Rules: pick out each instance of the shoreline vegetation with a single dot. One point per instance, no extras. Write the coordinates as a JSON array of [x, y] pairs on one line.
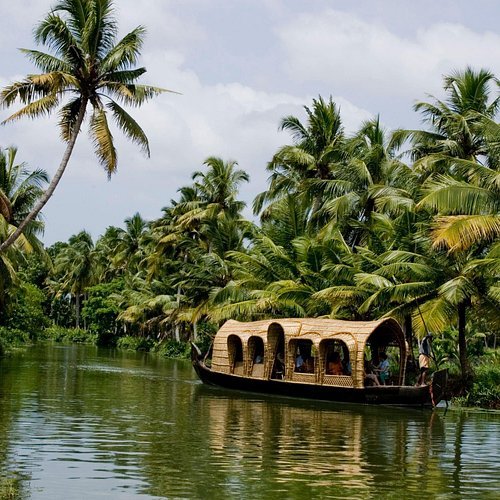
[[401, 223], [484, 392]]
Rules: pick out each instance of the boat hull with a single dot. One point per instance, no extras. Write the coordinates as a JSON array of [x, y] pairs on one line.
[[382, 395]]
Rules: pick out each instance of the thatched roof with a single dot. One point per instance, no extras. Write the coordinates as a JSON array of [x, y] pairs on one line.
[[313, 327]]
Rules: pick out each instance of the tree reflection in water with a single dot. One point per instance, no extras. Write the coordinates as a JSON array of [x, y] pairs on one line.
[[79, 420], [274, 446]]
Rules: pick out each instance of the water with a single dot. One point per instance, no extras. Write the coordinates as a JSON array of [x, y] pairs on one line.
[[81, 422]]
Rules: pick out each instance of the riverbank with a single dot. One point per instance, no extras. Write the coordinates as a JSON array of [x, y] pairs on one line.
[[484, 391], [10, 489]]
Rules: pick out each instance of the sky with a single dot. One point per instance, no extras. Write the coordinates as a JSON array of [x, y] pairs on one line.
[[240, 66]]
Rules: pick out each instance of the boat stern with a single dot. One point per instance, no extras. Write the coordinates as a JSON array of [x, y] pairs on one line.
[[438, 385]]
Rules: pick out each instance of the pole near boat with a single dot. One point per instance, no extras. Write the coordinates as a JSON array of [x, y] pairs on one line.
[[428, 333]]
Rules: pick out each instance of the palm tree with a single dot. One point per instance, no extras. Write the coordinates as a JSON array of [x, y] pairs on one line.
[[319, 146], [371, 183], [458, 124], [279, 272], [76, 267], [87, 66], [215, 192], [20, 188], [128, 246]]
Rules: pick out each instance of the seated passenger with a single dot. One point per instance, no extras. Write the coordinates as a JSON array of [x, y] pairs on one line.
[[309, 365], [258, 359], [299, 363], [334, 366], [370, 377], [279, 366]]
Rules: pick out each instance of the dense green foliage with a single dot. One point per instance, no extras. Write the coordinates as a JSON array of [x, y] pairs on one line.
[[69, 335], [25, 311], [10, 489], [403, 223]]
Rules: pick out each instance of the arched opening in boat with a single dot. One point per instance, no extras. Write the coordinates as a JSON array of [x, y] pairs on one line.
[[256, 356], [235, 354], [276, 342], [303, 353], [386, 355], [335, 354]]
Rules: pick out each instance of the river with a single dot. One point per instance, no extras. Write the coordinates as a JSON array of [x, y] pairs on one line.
[[79, 422]]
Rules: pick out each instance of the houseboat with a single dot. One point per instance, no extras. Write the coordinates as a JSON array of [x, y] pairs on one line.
[[321, 359]]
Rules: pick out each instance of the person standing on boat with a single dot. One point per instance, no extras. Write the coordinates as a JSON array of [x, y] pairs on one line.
[[424, 358], [383, 368]]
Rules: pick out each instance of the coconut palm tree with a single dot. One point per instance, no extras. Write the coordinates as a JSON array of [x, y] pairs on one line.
[[128, 248], [457, 124], [86, 66], [319, 146], [467, 209], [214, 197], [76, 268], [20, 189], [371, 183]]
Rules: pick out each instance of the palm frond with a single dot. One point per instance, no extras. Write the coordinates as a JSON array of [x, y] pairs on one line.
[[47, 62], [132, 94], [129, 126], [126, 52], [103, 140], [460, 232], [35, 109]]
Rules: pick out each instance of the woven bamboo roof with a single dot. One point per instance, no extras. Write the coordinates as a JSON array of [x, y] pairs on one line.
[[308, 327], [354, 334]]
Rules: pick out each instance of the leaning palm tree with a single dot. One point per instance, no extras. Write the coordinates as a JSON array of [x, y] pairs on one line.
[[87, 66], [20, 188]]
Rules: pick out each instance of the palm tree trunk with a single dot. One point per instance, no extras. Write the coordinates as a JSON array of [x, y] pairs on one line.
[[77, 309], [55, 180], [462, 343], [408, 329]]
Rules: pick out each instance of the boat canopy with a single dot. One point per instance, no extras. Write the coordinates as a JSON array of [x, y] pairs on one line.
[[253, 348]]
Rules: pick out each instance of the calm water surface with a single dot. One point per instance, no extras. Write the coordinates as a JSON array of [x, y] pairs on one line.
[[82, 422]]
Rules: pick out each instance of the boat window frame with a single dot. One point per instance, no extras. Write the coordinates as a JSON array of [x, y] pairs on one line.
[[344, 353], [383, 337], [252, 351], [232, 355], [292, 351]]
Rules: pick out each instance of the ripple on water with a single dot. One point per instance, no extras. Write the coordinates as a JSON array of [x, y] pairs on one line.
[[78, 423]]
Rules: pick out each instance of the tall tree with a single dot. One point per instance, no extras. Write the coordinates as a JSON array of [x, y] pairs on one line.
[[20, 189], [373, 182], [319, 146], [87, 66], [75, 265], [457, 124]]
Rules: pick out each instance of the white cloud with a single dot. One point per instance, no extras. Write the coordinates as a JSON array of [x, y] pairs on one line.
[[222, 112], [347, 51]]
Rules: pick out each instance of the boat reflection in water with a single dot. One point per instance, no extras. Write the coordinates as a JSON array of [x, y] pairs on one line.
[[281, 445]]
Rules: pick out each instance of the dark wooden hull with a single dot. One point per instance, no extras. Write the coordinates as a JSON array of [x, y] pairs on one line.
[[382, 395]]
